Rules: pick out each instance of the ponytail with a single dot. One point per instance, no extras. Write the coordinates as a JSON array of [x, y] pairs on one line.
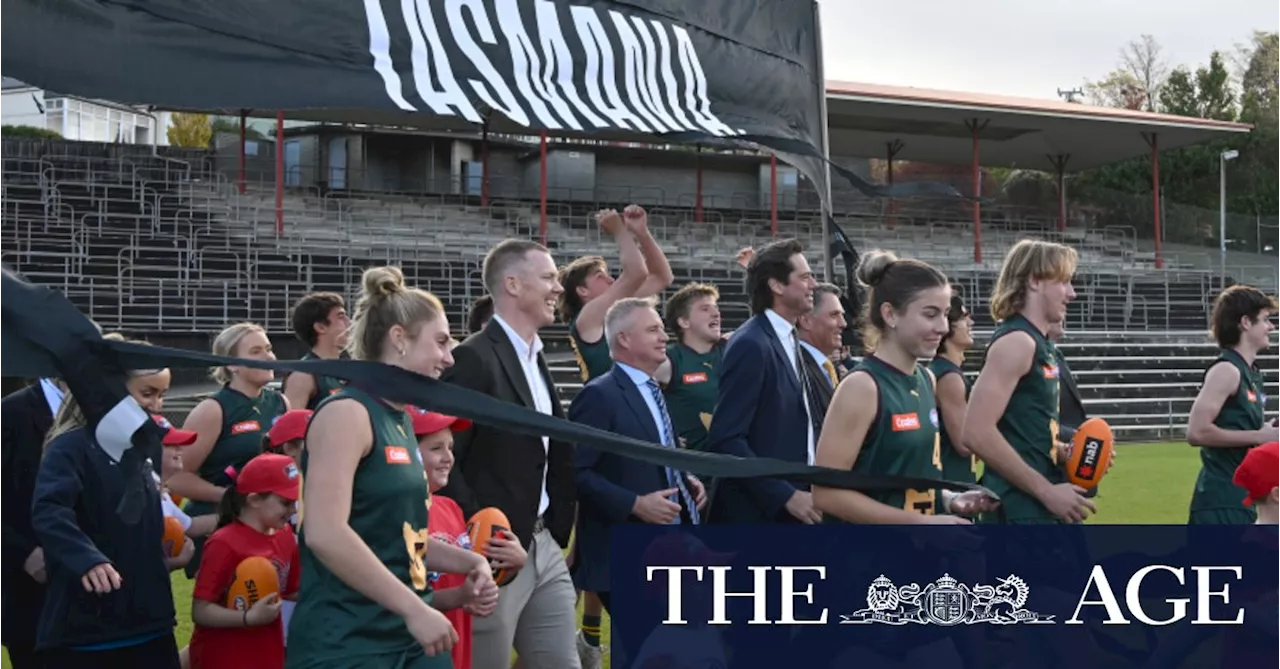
[[232, 502]]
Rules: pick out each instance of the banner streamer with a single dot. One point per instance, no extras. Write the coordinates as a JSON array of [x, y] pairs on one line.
[[44, 335]]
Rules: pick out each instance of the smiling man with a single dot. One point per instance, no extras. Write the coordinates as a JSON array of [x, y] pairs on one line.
[[820, 336], [690, 376], [529, 478]]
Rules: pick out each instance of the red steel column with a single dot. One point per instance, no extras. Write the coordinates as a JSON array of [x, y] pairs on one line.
[[976, 128], [542, 185], [773, 195], [243, 120], [697, 203], [279, 172], [484, 164]]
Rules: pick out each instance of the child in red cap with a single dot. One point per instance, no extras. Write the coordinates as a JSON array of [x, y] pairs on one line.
[[1259, 474], [287, 436], [253, 520], [445, 523]]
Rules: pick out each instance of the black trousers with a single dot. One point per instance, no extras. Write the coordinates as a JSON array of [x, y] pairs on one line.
[[158, 653]]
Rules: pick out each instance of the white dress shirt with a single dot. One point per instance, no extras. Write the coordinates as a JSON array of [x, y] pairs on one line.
[[787, 335], [527, 354]]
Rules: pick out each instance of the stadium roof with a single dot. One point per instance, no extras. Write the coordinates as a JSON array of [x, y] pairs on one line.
[[865, 118], [1020, 132]]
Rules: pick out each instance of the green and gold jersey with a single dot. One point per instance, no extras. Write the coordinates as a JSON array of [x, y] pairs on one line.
[[593, 359], [955, 467], [1241, 411], [693, 391]]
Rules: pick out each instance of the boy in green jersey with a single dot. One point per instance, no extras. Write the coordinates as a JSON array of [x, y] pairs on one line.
[[589, 289], [319, 321], [1012, 419], [1226, 419], [883, 418], [690, 377]]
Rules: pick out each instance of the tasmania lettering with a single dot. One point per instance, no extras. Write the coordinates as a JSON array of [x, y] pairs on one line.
[[564, 66]]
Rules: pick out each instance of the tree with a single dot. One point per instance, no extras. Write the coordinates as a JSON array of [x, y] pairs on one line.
[[1119, 89], [1213, 90], [1179, 93], [190, 130], [1143, 59], [1259, 80]]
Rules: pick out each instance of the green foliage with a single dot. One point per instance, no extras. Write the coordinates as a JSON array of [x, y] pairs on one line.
[[29, 131], [190, 130], [1190, 176]]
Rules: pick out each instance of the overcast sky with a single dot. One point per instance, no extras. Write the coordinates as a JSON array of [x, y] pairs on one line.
[[1024, 48]]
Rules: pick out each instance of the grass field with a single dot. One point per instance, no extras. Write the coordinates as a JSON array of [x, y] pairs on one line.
[[1150, 484]]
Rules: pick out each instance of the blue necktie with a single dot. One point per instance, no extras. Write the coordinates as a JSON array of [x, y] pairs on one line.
[[674, 478]]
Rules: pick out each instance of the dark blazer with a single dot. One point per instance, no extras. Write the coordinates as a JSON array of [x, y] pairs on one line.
[[760, 413], [820, 386], [503, 469], [609, 484], [24, 420]]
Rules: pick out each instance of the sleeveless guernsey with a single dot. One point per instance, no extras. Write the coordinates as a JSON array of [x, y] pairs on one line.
[[334, 625], [593, 359], [245, 421], [903, 439], [955, 467], [325, 385], [1241, 411], [693, 391], [1030, 425]]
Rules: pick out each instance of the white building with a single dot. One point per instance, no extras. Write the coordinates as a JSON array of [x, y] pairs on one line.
[[82, 119]]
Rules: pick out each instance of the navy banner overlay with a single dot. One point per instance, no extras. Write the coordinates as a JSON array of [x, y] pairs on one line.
[[985, 596]]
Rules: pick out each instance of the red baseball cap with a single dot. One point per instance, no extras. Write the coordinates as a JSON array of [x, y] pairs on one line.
[[1259, 473], [429, 422], [289, 426], [269, 473], [173, 436]]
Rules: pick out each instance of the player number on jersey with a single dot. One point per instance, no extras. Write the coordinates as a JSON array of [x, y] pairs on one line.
[[415, 543], [919, 501], [937, 451]]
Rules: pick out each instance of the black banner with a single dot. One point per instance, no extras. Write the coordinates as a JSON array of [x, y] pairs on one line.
[[712, 71], [43, 335]]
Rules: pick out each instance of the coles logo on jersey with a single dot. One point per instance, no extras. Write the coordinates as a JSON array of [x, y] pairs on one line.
[[398, 455], [1051, 371], [695, 377], [903, 422], [246, 426]]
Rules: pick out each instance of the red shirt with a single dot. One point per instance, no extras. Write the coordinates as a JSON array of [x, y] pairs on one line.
[[260, 647], [446, 524]]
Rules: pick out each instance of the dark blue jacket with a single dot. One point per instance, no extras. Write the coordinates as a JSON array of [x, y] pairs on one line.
[[759, 413], [609, 484], [74, 515], [24, 419]]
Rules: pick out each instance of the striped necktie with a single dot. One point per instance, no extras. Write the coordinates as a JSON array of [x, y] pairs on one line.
[[675, 479]]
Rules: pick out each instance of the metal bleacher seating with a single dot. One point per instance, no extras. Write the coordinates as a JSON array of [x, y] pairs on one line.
[[152, 245]]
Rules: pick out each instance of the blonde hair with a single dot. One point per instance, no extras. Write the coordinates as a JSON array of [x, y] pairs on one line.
[[226, 343], [1029, 259], [70, 416], [386, 302]]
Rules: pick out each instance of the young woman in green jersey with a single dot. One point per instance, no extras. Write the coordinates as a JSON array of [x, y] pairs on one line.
[[231, 424], [1012, 420], [1227, 417], [883, 418], [958, 462], [365, 599], [589, 289]]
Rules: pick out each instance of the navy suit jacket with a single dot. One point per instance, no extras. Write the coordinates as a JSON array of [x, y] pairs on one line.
[[609, 484], [760, 413]]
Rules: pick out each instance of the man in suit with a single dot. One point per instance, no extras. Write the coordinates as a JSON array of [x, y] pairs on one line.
[[613, 490], [820, 336], [529, 478], [25, 418], [763, 408]]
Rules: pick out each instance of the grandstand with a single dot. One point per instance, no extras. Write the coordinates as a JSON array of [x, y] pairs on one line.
[[169, 248]]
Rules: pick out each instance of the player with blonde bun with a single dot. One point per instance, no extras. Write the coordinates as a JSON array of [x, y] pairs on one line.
[[365, 598]]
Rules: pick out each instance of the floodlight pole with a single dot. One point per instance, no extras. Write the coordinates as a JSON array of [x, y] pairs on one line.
[[828, 263], [542, 186], [1222, 212]]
